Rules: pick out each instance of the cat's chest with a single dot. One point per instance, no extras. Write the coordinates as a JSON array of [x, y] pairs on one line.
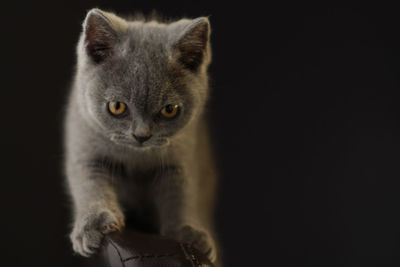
[[136, 184], [139, 176], [135, 191]]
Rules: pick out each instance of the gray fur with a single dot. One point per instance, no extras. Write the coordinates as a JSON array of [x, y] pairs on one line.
[[171, 177]]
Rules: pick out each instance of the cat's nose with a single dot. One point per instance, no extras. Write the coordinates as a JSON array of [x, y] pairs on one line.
[[142, 138]]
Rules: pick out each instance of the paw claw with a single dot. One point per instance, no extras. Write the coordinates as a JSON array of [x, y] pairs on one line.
[[112, 227], [198, 239], [89, 231]]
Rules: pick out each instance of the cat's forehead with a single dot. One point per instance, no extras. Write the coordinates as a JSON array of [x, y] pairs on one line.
[[140, 84], [146, 81], [155, 35], [149, 35], [146, 50], [144, 72]]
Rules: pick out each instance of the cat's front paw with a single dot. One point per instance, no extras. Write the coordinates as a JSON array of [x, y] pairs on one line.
[[89, 230], [199, 239]]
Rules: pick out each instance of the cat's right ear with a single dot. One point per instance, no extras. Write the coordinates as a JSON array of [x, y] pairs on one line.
[[193, 43], [101, 31]]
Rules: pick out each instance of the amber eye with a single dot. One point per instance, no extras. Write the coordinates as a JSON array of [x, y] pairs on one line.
[[170, 111], [117, 108]]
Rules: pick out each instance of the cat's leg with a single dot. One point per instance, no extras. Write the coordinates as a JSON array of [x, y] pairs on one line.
[[96, 209], [177, 206]]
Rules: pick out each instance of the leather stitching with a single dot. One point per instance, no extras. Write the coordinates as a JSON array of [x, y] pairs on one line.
[[193, 257], [119, 254], [190, 256], [150, 256]]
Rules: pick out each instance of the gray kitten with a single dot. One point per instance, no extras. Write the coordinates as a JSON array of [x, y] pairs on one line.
[[136, 138]]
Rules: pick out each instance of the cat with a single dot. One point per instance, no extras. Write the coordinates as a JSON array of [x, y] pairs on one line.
[[136, 136]]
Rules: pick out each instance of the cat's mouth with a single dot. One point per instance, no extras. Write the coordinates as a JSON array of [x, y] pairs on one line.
[[128, 142]]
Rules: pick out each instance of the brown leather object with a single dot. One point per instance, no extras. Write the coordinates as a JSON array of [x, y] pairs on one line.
[[134, 249]]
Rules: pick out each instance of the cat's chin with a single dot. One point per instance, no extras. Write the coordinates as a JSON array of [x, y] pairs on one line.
[[123, 142]]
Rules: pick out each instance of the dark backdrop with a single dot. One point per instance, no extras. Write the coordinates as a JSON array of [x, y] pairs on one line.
[[306, 121]]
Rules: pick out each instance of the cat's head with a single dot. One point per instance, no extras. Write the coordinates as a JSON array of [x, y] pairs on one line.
[[140, 83]]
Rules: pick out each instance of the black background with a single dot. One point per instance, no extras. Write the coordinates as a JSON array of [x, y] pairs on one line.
[[306, 122]]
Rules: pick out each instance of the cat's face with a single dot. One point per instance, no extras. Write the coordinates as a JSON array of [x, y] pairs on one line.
[[142, 82]]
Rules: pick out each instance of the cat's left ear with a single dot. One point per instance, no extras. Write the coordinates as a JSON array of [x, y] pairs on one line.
[[193, 43], [101, 30]]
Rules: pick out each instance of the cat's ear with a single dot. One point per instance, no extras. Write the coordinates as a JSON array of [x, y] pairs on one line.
[[101, 31], [193, 43]]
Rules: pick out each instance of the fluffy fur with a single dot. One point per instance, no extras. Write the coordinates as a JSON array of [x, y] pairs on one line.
[[166, 182]]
